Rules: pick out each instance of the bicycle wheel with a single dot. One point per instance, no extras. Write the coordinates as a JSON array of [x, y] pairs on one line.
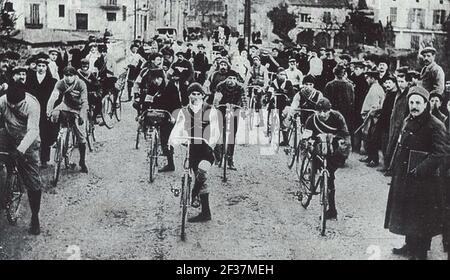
[[153, 154], [118, 108], [224, 158], [323, 202], [88, 136], [291, 150], [306, 181], [58, 158], [107, 112], [184, 204], [14, 196], [69, 146]]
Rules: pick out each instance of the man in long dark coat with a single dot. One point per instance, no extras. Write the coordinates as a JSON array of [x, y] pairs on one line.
[[414, 206], [40, 84]]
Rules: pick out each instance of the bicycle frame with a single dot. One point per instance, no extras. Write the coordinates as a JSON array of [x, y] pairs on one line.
[[274, 115], [226, 132], [11, 194]]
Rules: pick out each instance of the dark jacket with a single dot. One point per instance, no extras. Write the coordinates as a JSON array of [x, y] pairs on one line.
[[399, 112], [171, 98], [42, 91], [361, 89], [327, 72], [184, 70], [414, 203], [233, 95], [342, 97]]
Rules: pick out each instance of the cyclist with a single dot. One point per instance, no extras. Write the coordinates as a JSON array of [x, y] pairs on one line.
[[258, 76], [19, 136], [306, 98], [93, 87], [105, 66], [152, 85], [221, 75], [184, 70], [232, 92], [294, 75], [74, 103], [326, 120], [198, 119], [281, 85]]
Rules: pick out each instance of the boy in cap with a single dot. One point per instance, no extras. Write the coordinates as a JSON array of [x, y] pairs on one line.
[[198, 119], [19, 136], [52, 66]]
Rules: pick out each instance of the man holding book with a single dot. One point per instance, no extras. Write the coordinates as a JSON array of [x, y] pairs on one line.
[[414, 202]]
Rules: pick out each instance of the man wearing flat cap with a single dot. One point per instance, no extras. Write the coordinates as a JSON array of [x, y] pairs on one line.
[[435, 106], [432, 77], [52, 66], [414, 207], [19, 74], [201, 63]]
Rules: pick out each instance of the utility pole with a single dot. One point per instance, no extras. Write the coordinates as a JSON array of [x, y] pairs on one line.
[[247, 22]]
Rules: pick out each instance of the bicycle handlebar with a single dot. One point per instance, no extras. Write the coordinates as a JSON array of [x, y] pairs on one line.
[[193, 138], [159, 111], [229, 105]]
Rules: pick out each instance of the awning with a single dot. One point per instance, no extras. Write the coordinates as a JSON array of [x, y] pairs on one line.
[[49, 37]]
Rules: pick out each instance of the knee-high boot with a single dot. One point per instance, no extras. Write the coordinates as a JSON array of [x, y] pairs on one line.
[[205, 215], [82, 148], [34, 197]]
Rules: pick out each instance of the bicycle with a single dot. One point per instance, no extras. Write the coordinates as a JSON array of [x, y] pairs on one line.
[[252, 91], [111, 107], [186, 183], [274, 121], [226, 135], [90, 128], [149, 122], [314, 164], [66, 142], [11, 188]]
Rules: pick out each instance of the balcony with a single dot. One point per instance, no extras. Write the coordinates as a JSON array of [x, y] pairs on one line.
[[110, 5], [33, 25]]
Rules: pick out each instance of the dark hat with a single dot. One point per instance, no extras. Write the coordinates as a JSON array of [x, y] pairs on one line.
[[414, 74], [403, 69], [275, 49], [383, 59], [358, 63], [254, 47], [19, 69], [371, 57], [322, 49], [331, 50], [152, 56], [428, 50], [309, 79], [280, 70], [419, 91], [15, 92], [134, 46], [390, 77], [30, 60], [345, 57], [180, 53], [201, 46], [256, 57], [323, 104], [69, 71], [189, 44], [84, 61], [41, 59], [292, 59], [224, 60], [434, 94], [195, 87]]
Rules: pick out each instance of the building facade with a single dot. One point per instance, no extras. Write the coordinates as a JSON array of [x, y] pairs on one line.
[[77, 15], [414, 21], [318, 21]]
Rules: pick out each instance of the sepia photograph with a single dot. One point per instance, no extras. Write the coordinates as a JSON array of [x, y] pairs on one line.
[[213, 132]]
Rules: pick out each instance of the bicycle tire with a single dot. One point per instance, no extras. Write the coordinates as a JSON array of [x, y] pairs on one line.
[[305, 180], [184, 204], [118, 109], [292, 152], [69, 146], [58, 160], [323, 202], [137, 139], [88, 137], [14, 198], [224, 157], [107, 113], [153, 154]]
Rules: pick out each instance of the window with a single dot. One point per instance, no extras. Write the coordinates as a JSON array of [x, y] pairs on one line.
[[61, 11], [145, 23], [112, 2], [305, 18], [111, 16], [34, 14], [393, 16], [438, 16], [327, 17], [124, 13], [82, 21], [416, 18], [415, 42]]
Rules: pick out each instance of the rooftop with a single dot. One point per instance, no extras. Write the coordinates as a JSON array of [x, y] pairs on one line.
[[321, 3]]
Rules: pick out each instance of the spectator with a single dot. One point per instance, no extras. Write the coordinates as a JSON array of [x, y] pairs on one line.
[[432, 77]]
